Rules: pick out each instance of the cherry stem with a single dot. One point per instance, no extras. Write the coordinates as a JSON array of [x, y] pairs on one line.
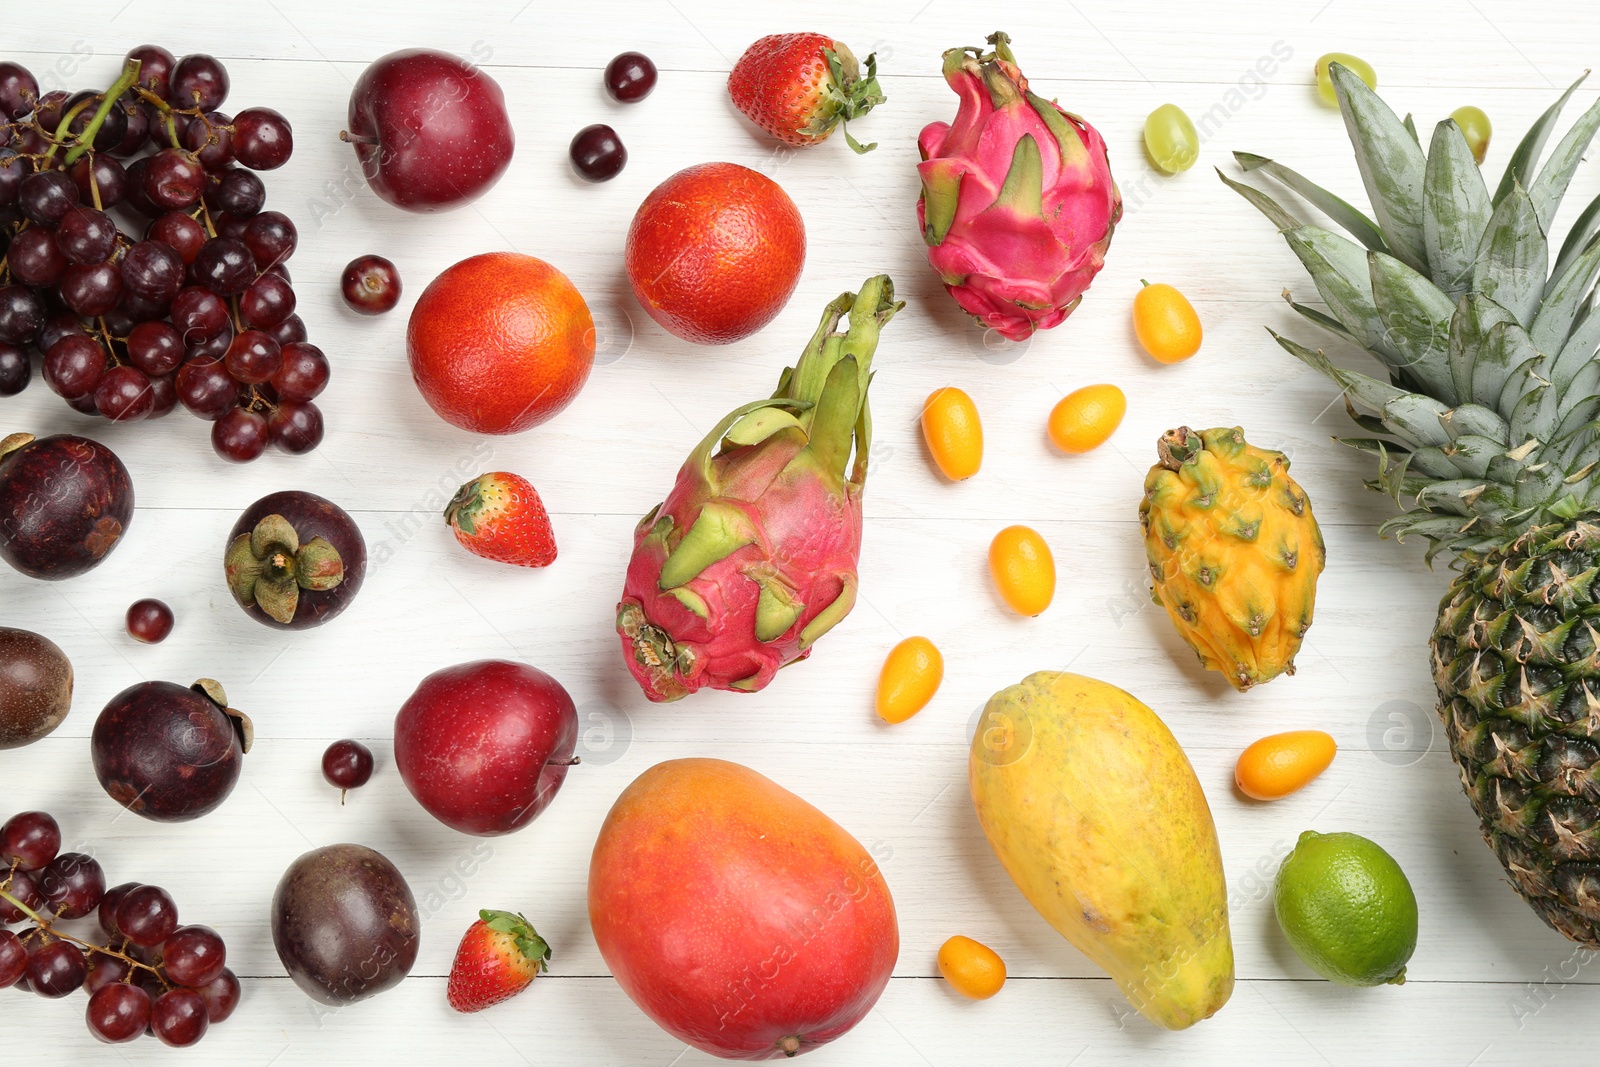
[[356, 138], [129, 75], [48, 925], [570, 761]]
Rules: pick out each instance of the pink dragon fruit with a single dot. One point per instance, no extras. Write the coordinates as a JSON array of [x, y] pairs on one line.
[[752, 556], [1017, 202]]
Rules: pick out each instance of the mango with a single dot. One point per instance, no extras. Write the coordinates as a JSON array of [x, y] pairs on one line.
[[1097, 816]]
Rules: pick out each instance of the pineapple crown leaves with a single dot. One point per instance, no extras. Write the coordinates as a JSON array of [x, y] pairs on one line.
[[1490, 419], [522, 934]]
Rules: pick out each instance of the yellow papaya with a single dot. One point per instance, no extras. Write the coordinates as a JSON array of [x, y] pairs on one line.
[[1097, 816]]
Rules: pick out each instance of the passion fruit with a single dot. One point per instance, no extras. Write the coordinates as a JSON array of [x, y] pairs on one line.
[[345, 924], [35, 687]]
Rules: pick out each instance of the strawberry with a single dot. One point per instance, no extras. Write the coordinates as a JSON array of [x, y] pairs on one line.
[[499, 956], [799, 86], [499, 516]]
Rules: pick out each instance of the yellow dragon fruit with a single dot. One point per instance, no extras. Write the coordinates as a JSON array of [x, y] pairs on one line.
[[1018, 204]]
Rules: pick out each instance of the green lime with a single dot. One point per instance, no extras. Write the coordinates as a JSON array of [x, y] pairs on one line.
[[1347, 909]]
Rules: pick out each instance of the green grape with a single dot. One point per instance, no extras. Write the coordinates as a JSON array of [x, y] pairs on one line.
[[1475, 128], [1170, 139], [1358, 66]]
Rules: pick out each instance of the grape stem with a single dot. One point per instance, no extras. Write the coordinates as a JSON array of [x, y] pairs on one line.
[[129, 75], [48, 926]]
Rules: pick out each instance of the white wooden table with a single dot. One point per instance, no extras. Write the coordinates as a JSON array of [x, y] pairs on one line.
[[1489, 983]]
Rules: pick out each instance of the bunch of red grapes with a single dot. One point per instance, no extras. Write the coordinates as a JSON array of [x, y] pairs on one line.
[[149, 976], [199, 309]]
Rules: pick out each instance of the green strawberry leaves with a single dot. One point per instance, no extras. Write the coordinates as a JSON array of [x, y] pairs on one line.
[[522, 935]]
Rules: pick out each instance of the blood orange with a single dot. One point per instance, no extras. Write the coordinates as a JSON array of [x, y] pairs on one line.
[[500, 342], [715, 252]]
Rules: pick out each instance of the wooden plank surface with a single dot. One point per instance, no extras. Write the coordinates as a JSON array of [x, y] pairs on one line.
[[1489, 983]]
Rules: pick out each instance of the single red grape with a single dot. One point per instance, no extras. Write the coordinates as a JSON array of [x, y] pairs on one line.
[[630, 77], [25, 887], [18, 90], [139, 119], [253, 357], [289, 331], [179, 1017], [35, 259], [105, 969], [271, 237], [210, 138], [221, 995], [46, 195], [173, 179], [124, 395], [74, 365], [108, 177], [91, 289], [57, 969], [147, 915], [240, 436], [153, 270], [295, 426], [155, 69], [118, 1013], [86, 235], [239, 192], [199, 81], [155, 347], [597, 153], [73, 884], [107, 912], [13, 959], [303, 373], [183, 233], [137, 198], [213, 347], [371, 285], [262, 138], [164, 394], [149, 621], [16, 368], [206, 388], [193, 956], [267, 302], [225, 266], [29, 840], [199, 315], [347, 764], [22, 314]]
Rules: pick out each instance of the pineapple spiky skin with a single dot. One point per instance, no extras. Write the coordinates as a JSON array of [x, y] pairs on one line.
[[1490, 423], [1234, 552], [1516, 659]]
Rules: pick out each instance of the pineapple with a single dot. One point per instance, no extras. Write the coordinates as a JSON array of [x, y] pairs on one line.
[[1489, 423], [1234, 551]]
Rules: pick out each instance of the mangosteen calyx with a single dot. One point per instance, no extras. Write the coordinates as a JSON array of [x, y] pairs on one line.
[[212, 690], [12, 442], [269, 566]]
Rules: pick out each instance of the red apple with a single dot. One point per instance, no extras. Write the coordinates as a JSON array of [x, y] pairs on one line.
[[485, 746], [741, 919], [429, 128]]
